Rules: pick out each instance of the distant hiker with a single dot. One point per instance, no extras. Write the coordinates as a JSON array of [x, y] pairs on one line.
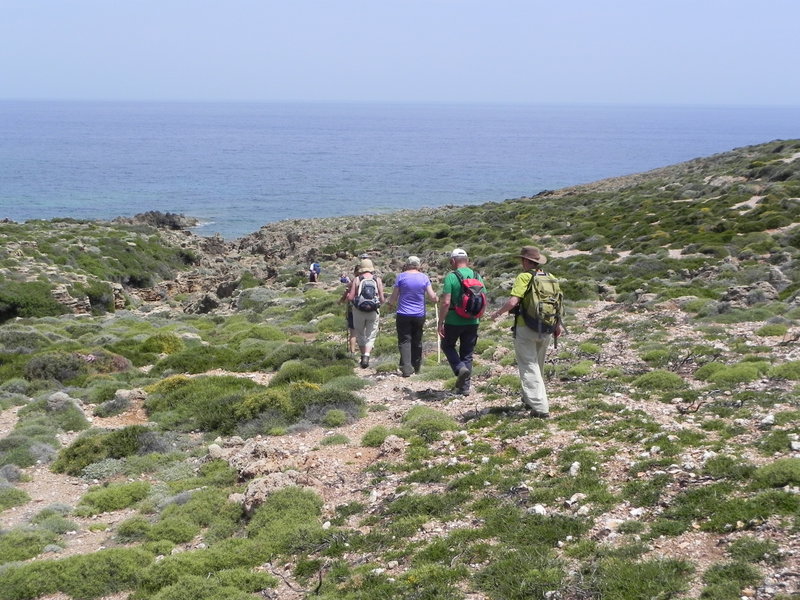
[[537, 303], [351, 329], [313, 272], [366, 295], [410, 290], [459, 317]]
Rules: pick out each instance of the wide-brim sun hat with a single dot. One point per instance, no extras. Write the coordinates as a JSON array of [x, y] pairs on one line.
[[533, 254], [365, 266], [413, 261], [458, 253]]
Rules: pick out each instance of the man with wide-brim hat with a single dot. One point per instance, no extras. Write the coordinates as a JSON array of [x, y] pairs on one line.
[[530, 344]]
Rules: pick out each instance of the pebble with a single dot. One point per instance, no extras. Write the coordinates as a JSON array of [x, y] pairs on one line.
[[574, 469]]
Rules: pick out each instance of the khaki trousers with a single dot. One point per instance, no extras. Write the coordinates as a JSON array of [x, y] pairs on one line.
[[531, 350]]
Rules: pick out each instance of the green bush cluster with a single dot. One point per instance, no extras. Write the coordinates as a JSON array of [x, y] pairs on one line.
[[27, 299], [113, 496], [97, 445]]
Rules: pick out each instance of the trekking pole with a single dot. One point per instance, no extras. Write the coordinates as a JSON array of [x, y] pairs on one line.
[[438, 341]]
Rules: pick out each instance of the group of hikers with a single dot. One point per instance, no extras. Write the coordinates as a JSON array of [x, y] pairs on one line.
[[535, 302]]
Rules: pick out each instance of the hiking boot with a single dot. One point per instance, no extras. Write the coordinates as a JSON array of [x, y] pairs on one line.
[[364, 361], [463, 391], [461, 379], [537, 414]]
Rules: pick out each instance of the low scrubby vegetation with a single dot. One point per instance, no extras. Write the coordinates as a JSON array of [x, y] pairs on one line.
[[674, 409]]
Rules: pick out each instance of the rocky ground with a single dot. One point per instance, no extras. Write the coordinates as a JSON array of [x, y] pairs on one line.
[[338, 473]]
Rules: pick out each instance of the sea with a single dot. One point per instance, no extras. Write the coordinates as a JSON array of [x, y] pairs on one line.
[[239, 166]]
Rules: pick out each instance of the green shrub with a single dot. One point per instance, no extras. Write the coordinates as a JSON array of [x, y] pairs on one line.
[[98, 445], [335, 440], [619, 579], [11, 496], [27, 299], [708, 370], [196, 359], [334, 418], [727, 467], [735, 374], [590, 348], [133, 530], [788, 370], [113, 496], [22, 544], [163, 343], [201, 403], [428, 423], [581, 369], [725, 579], [375, 436], [750, 549], [288, 521], [58, 410], [772, 329], [782, 472], [61, 366], [659, 380], [175, 529], [101, 573]]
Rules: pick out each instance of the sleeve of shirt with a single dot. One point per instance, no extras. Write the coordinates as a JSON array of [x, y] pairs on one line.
[[520, 284], [447, 284]]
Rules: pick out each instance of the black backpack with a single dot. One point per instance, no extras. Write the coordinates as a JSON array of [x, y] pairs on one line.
[[367, 295]]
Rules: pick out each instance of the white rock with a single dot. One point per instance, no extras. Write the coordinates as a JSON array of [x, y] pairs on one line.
[[539, 510], [768, 421], [215, 451], [326, 525], [574, 469]]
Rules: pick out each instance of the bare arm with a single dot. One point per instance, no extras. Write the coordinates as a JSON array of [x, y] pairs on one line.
[[393, 297], [510, 304], [381, 297], [444, 306], [431, 294]]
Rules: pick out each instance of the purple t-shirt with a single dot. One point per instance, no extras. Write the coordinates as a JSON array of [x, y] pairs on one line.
[[411, 293]]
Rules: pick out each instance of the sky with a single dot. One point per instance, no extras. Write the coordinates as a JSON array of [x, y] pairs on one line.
[[656, 52]]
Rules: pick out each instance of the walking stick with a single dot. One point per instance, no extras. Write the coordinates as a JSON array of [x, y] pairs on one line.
[[438, 341]]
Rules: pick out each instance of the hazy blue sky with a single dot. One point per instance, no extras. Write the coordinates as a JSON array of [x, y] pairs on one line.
[[576, 51]]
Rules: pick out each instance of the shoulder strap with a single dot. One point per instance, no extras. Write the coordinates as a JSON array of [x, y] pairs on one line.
[[530, 283]]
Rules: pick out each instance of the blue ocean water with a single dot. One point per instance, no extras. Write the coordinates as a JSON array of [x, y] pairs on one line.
[[238, 166]]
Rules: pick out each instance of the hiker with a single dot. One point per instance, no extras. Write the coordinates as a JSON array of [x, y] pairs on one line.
[[531, 335], [313, 272], [454, 328], [351, 329], [410, 290], [366, 295]]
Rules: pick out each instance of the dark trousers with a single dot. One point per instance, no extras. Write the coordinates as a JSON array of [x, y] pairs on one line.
[[466, 336], [409, 342]]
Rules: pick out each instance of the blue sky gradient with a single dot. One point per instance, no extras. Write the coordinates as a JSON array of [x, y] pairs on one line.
[[689, 52]]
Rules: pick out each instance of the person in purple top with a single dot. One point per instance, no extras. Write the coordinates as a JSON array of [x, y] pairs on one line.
[[410, 289]]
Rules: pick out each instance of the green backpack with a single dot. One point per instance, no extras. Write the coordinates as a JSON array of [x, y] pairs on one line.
[[542, 303]]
